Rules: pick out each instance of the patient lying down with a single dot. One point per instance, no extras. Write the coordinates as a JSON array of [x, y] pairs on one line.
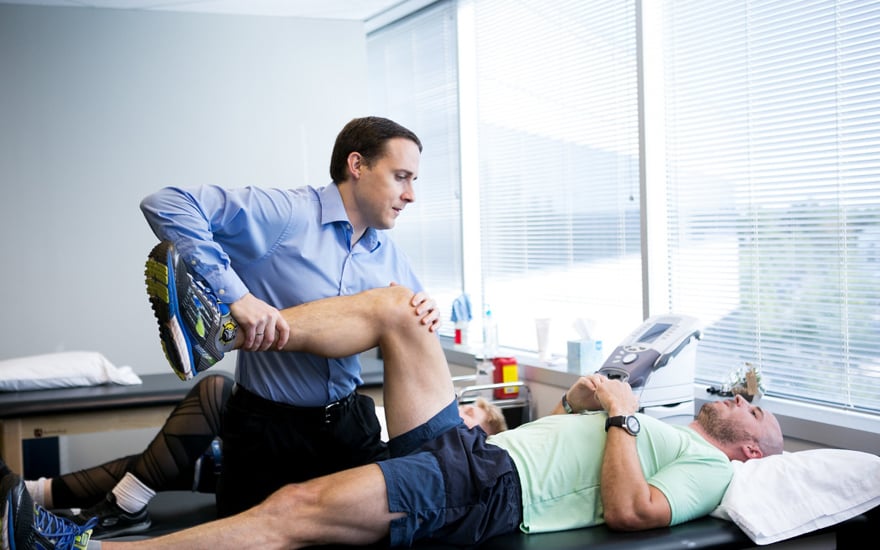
[[185, 455], [448, 482]]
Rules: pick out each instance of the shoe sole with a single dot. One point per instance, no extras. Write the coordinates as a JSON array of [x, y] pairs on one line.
[[132, 529], [17, 511], [162, 291]]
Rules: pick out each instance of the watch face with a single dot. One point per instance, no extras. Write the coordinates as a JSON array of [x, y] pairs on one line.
[[632, 424]]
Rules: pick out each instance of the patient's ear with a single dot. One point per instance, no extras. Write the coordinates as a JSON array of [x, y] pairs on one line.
[[751, 450]]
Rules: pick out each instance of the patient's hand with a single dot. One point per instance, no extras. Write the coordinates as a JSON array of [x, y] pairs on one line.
[[582, 394], [616, 397]]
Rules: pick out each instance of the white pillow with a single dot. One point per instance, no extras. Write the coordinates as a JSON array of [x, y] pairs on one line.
[[62, 370], [782, 496]]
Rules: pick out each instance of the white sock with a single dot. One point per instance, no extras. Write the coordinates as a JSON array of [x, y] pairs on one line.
[[94, 544], [131, 494], [40, 490]]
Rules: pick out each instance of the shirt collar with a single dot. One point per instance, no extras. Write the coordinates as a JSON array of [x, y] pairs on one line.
[[333, 211]]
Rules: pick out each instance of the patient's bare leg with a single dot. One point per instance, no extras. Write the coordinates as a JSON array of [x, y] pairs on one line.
[[348, 507], [417, 382]]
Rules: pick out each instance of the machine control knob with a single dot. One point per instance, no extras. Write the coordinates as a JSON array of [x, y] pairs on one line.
[[629, 358]]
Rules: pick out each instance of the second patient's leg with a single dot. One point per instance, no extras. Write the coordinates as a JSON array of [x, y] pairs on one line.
[[168, 461]]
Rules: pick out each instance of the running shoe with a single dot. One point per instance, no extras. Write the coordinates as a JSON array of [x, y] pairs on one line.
[[195, 328], [29, 526], [112, 521], [208, 467]]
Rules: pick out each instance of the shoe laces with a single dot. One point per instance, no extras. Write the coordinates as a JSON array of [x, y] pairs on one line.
[[61, 531], [214, 301]]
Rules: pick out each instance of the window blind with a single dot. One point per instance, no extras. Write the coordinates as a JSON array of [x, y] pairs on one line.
[[772, 140], [413, 80], [557, 111]]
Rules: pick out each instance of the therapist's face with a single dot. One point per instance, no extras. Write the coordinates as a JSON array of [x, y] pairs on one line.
[[383, 189]]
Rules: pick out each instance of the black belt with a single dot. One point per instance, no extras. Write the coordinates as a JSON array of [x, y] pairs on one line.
[[329, 413]]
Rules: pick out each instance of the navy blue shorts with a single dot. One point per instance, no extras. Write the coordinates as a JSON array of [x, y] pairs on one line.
[[454, 488]]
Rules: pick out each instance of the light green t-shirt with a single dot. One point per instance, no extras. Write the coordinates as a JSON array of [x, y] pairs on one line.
[[559, 461]]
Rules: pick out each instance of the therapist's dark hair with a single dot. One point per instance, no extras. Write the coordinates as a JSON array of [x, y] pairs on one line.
[[366, 136]]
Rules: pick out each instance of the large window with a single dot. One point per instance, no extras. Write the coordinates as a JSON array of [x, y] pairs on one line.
[[414, 81], [769, 175], [556, 93], [549, 116], [772, 142]]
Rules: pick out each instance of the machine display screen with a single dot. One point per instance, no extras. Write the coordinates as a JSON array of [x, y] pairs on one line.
[[654, 332]]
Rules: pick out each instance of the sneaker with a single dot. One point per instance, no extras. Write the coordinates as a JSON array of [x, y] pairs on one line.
[[112, 520], [193, 325], [29, 526], [208, 468]]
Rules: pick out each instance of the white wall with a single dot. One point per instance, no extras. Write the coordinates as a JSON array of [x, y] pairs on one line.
[[100, 107]]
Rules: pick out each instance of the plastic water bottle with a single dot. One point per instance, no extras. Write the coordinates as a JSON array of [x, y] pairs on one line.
[[490, 335]]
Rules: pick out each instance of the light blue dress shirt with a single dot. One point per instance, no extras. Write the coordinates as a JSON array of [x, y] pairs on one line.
[[286, 247]]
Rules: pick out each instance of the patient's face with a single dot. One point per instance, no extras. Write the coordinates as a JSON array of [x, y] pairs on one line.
[[473, 416], [736, 420], [723, 421]]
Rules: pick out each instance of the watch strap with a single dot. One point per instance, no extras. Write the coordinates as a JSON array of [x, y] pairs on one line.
[[565, 405], [613, 421]]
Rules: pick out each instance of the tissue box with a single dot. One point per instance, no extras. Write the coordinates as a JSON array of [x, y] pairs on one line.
[[584, 356]]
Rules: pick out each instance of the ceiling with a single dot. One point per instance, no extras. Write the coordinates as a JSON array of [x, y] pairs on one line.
[[357, 10]]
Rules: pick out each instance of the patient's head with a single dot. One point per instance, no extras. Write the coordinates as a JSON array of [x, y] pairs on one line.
[[484, 414], [740, 429]]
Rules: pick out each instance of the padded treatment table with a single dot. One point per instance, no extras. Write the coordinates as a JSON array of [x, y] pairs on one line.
[[45, 413], [172, 511], [68, 411]]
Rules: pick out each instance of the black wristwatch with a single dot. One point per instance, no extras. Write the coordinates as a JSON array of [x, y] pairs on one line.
[[565, 405], [629, 423]]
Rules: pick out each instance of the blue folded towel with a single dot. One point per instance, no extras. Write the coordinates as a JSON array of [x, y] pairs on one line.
[[461, 309]]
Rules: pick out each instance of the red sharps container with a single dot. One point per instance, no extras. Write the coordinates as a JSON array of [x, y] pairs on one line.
[[506, 370]]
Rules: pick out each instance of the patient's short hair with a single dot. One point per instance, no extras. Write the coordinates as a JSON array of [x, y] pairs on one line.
[[494, 417]]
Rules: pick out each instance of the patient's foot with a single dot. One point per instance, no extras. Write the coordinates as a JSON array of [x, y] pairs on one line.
[[25, 525], [113, 521], [195, 328]]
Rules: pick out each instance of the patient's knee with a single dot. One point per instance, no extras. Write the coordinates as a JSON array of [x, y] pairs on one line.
[[393, 302], [290, 496]]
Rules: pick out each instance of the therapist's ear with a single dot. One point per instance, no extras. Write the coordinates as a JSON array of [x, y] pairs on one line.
[[355, 162]]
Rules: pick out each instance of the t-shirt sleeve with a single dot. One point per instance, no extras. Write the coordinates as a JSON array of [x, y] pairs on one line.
[[694, 484]]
